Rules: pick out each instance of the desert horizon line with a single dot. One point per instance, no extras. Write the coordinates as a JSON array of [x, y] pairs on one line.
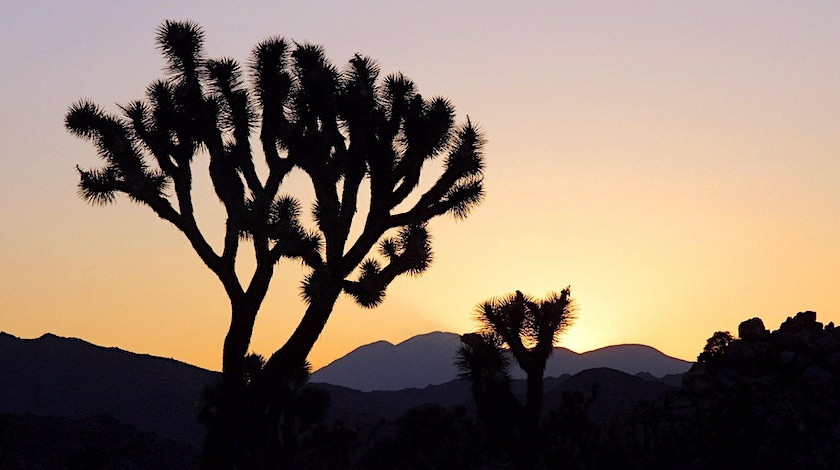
[[339, 357]]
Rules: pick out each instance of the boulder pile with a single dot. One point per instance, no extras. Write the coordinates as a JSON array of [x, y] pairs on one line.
[[772, 399]]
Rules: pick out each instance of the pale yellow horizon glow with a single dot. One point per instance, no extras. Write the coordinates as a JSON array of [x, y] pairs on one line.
[[676, 163]]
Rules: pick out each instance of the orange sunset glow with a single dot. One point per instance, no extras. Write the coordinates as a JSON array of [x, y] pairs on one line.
[[676, 163]]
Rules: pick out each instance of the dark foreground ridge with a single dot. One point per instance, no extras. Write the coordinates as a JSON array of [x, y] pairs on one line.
[[97, 442], [70, 401], [763, 400]]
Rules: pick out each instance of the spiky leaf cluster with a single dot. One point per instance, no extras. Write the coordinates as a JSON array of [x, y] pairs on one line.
[[483, 357], [528, 326], [125, 168], [409, 252]]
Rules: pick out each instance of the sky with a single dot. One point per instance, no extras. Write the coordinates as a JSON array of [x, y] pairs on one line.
[[676, 163]]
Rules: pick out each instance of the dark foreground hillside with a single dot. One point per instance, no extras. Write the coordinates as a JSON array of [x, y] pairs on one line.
[[433, 427], [71, 378], [68, 404], [764, 400], [99, 442]]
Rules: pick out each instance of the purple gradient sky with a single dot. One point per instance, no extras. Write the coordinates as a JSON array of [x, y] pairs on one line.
[[676, 163]]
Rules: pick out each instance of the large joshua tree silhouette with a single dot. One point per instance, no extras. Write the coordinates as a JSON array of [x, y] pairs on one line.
[[340, 127], [529, 329]]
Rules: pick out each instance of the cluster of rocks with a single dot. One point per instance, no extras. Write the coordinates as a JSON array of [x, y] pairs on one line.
[[772, 398]]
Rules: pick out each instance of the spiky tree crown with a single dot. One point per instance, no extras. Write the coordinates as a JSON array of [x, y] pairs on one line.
[[528, 326], [339, 126]]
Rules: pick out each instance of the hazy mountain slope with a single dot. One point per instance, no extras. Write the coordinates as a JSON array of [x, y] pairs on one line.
[[429, 360], [627, 358], [416, 362], [54, 376]]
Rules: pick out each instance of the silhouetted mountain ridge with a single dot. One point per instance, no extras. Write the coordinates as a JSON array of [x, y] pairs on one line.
[[71, 378], [429, 360]]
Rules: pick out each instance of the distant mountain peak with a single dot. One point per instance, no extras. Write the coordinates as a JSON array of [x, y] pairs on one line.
[[429, 359], [434, 335], [421, 360], [375, 344], [629, 346]]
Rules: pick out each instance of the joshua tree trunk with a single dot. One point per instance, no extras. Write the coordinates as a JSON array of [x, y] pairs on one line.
[[528, 435], [220, 444], [533, 400], [251, 413]]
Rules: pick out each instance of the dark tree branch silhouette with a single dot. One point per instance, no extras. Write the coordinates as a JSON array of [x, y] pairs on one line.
[[340, 127]]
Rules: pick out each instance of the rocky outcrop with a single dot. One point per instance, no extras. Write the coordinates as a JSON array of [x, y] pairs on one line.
[[772, 398], [752, 329]]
